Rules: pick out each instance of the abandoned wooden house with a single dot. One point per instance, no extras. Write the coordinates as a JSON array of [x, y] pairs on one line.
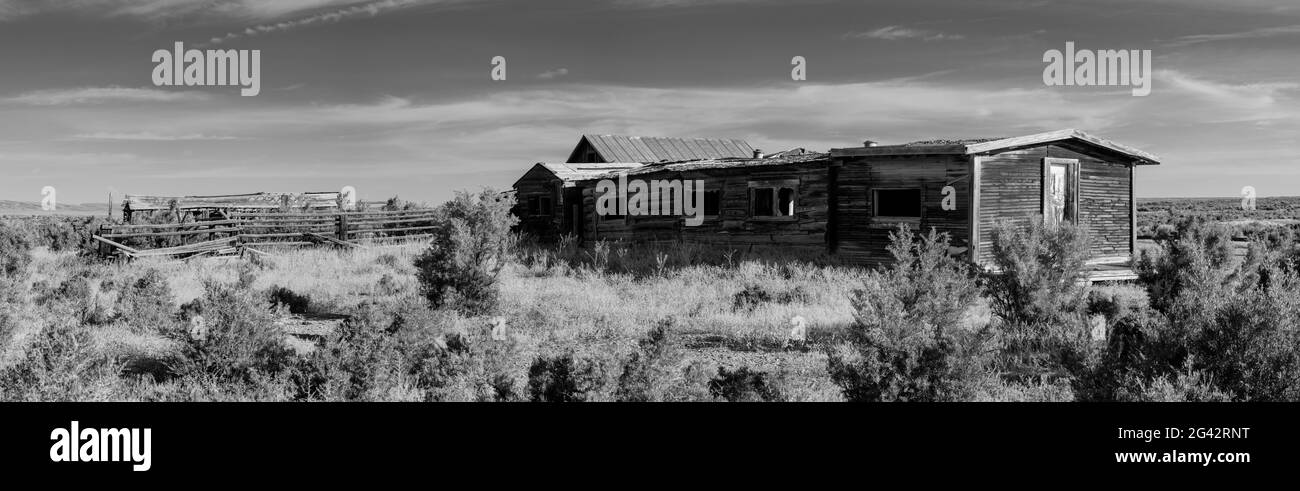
[[548, 202], [846, 202]]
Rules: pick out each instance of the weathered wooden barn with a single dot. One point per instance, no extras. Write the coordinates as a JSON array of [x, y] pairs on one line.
[[846, 202], [777, 201], [548, 202]]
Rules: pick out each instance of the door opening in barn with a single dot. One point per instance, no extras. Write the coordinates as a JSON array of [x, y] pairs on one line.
[[573, 214], [1060, 185]]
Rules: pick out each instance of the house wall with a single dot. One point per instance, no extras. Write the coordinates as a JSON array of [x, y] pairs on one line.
[[539, 183], [1011, 189], [734, 227], [862, 237]]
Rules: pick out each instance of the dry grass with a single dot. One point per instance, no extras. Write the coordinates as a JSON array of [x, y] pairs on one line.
[[555, 309]]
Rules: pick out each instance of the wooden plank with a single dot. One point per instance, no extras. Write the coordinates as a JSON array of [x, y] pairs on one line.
[[115, 244], [175, 225], [277, 235], [172, 234], [330, 240]]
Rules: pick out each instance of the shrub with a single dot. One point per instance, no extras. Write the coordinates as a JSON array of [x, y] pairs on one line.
[[146, 304], [1037, 273], [900, 348], [570, 377], [242, 341], [411, 355], [755, 295], [744, 385], [60, 364], [469, 248], [658, 371], [15, 257], [1199, 256], [1228, 325], [296, 303]]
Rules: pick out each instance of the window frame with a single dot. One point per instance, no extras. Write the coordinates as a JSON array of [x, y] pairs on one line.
[[920, 205], [774, 186], [1071, 213]]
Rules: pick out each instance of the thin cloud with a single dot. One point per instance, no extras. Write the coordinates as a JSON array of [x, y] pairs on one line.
[[1260, 33], [553, 74], [151, 136], [165, 10], [1240, 96], [370, 9], [897, 33], [100, 95]]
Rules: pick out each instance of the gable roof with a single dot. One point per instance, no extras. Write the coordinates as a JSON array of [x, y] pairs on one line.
[[620, 148], [570, 172], [985, 147], [710, 164]]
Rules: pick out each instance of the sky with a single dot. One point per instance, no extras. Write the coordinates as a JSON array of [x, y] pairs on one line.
[[395, 97]]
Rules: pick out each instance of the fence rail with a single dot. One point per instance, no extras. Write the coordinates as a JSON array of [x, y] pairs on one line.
[[242, 229]]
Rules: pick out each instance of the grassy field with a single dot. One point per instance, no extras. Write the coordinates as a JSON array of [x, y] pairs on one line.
[[622, 322], [553, 309]]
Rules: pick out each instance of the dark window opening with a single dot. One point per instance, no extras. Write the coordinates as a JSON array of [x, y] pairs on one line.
[[534, 205], [772, 202], [712, 203], [898, 203], [762, 202], [545, 206]]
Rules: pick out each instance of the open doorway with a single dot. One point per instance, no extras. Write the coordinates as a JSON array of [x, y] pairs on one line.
[[1060, 191]]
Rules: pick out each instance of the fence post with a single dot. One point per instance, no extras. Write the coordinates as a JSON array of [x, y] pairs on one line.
[[343, 227]]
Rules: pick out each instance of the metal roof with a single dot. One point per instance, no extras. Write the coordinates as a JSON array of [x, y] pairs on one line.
[[979, 147], [708, 164], [570, 172], [619, 148]]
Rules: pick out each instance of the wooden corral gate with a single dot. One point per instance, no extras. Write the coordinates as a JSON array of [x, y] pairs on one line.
[[246, 231]]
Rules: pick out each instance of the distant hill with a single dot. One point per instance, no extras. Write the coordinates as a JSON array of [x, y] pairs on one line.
[[8, 207]]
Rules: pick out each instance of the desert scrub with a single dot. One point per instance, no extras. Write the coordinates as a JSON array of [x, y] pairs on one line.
[[903, 346], [146, 304], [412, 353], [655, 370], [470, 245], [61, 363], [744, 385], [234, 339], [1038, 272]]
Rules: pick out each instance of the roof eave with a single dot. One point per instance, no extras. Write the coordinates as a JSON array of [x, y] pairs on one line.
[[1138, 157]]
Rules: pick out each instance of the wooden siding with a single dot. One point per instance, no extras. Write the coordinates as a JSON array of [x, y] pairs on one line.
[[538, 183], [733, 226], [863, 237], [1011, 189]]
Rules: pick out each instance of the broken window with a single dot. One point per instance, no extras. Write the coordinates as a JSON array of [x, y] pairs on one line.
[[897, 203], [772, 200]]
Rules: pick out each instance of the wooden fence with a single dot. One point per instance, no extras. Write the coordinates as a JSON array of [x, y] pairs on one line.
[[241, 231]]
